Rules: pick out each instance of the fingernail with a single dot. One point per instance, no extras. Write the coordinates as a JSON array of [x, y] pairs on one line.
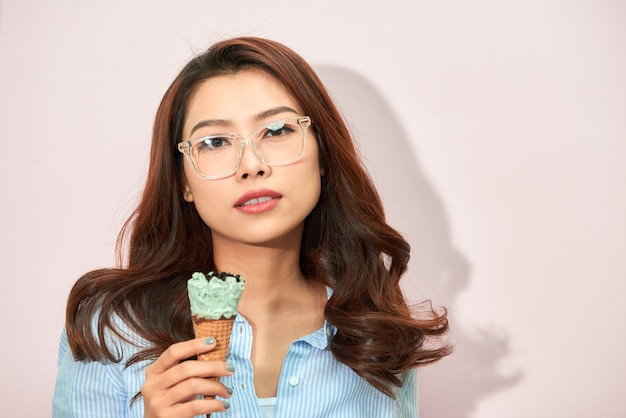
[[229, 390], [209, 341], [226, 404], [230, 367]]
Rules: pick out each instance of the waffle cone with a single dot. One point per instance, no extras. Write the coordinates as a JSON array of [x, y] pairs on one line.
[[220, 329]]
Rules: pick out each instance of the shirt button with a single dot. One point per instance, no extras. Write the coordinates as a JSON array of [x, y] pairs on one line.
[[293, 381]]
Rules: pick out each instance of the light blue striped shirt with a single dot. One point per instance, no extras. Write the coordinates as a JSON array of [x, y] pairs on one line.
[[312, 384]]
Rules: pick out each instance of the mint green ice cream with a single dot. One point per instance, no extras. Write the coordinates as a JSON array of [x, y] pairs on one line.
[[215, 297]]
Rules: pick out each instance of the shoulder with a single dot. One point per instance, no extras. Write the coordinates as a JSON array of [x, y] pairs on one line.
[[119, 338], [87, 388], [407, 397]]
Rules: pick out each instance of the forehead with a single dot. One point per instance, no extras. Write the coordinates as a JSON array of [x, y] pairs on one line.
[[237, 99]]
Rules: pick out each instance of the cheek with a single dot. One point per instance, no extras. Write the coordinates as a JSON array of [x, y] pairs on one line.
[[316, 190], [313, 157], [188, 171], [206, 197], [208, 210], [310, 185]]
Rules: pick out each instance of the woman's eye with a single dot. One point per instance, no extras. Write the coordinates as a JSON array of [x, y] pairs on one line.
[[276, 130], [213, 143]]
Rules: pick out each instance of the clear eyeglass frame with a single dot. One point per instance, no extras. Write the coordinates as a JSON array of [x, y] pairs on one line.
[[186, 147]]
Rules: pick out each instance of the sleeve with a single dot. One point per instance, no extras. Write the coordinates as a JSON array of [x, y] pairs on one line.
[[407, 397], [87, 389]]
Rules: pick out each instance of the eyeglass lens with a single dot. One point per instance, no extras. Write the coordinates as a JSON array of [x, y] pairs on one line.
[[276, 143]]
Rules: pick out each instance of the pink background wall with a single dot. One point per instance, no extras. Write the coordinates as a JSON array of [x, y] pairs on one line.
[[495, 129]]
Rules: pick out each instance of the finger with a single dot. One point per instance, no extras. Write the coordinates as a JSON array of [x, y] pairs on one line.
[[201, 407], [190, 389], [194, 369], [180, 351]]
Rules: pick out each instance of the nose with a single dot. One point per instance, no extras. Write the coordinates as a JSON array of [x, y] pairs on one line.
[[251, 163]]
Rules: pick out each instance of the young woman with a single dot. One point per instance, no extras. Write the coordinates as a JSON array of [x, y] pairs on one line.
[[253, 172]]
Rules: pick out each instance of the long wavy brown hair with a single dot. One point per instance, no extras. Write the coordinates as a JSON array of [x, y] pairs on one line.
[[347, 244]]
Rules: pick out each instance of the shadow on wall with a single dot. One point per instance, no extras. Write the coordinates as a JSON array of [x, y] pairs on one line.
[[453, 387]]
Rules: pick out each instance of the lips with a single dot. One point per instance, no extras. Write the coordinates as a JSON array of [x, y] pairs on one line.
[[257, 197]]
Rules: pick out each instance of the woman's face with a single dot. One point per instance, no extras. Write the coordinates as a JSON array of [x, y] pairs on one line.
[[259, 204]]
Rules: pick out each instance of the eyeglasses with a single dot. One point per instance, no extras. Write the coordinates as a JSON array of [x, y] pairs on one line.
[[277, 143]]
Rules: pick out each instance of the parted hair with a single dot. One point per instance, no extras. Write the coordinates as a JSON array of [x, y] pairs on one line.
[[346, 244]]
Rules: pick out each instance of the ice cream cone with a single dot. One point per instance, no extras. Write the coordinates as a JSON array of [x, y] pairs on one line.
[[213, 302], [220, 329]]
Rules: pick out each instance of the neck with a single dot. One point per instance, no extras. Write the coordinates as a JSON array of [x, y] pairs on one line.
[[272, 276]]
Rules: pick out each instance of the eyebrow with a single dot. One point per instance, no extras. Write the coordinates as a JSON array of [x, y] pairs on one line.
[[227, 123]]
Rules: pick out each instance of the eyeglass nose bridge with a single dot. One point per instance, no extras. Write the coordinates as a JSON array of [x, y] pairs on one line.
[[242, 144]]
